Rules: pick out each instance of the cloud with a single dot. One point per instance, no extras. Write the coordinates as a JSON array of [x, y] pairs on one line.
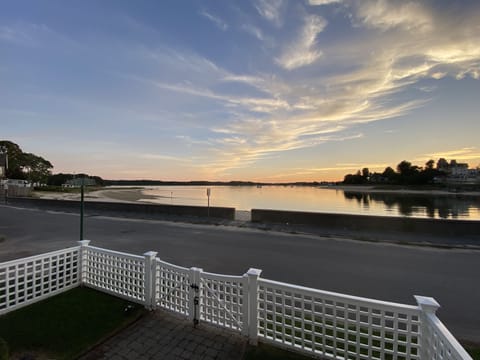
[[302, 51], [215, 19], [263, 113], [271, 10], [463, 154], [323, 2], [385, 14], [354, 166], [33, 35], [254, 31], [150, 156]]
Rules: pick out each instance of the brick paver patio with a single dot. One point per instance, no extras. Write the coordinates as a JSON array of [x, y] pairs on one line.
[[162, 335]]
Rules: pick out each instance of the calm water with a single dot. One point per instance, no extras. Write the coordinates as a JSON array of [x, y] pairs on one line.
[[320, 200]]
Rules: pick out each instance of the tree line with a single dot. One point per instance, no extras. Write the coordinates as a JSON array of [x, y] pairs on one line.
[[405, 174], [34, 168]]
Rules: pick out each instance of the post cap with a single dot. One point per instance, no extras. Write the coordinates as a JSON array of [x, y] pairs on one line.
[[83, 242], [427, 304], [150, 254], [254, 272]]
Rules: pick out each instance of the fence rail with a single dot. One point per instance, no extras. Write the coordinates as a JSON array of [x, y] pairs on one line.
[[25, 281], [337, 326], [320, 323], [114, 272]]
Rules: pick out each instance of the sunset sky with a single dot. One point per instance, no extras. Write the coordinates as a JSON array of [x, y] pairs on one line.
[[240, 90]]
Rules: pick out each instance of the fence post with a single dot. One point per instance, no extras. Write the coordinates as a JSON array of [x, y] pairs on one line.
[[428, 306], [82, 254], [149, 282], [253, 275], [194, 295], [245, 301]]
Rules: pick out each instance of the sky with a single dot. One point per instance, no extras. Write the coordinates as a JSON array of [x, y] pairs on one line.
[[259, 90]]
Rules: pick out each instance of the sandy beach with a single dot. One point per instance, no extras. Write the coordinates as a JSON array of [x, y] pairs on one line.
[[128, 195]]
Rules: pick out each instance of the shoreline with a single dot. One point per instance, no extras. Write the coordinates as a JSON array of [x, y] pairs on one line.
[[137, 195], [400, 191], [134, 195]]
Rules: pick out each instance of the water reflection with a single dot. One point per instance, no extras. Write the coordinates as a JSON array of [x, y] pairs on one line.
[[319, 199], [445, 207]]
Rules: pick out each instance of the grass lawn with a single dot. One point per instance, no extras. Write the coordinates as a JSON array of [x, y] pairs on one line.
[[65, 325], [474, 352]]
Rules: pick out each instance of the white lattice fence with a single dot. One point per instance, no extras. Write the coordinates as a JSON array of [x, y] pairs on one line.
[[337, 326], [223, 300], [25, 281], [320, 323], [114, 272], [438, 343], [172, 287]]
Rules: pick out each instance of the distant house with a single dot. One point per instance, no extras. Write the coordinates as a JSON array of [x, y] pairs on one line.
[[18, 183], [457, 173], [16, 187], [458, 170]]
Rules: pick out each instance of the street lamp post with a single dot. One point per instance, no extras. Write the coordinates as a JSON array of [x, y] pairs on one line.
[[82, 207]]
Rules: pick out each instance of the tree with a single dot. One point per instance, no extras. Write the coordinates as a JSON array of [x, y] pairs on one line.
[[25, 166], [15, 160], [37, 169], [442, 164], [365, 173], [354, 179], [408, 173], [390, 174], [429, 164], [404, 168]]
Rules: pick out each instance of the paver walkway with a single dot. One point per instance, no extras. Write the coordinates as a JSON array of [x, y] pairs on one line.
[[162, 335]]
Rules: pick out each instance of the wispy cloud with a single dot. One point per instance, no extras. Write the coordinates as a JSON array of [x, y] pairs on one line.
[[463, 154], [215, 19], [302, 51], [384, 14], [33, 35], [232, 119], [272, 10], [323, 2], [254, 31], [150, 156]]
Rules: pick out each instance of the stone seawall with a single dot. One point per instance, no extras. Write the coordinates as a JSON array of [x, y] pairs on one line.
[[146, 210], [419, 226]]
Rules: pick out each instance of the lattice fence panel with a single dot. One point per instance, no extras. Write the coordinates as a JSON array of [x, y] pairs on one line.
[[439, 343], [172, 286], [31, 279], [114, 272], [335, 326], [222, 300]]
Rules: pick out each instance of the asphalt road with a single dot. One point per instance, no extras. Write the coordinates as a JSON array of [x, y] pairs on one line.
[[383, 271]]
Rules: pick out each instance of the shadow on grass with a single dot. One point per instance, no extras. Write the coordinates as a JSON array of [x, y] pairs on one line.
[[474, 352], [65, 325]]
